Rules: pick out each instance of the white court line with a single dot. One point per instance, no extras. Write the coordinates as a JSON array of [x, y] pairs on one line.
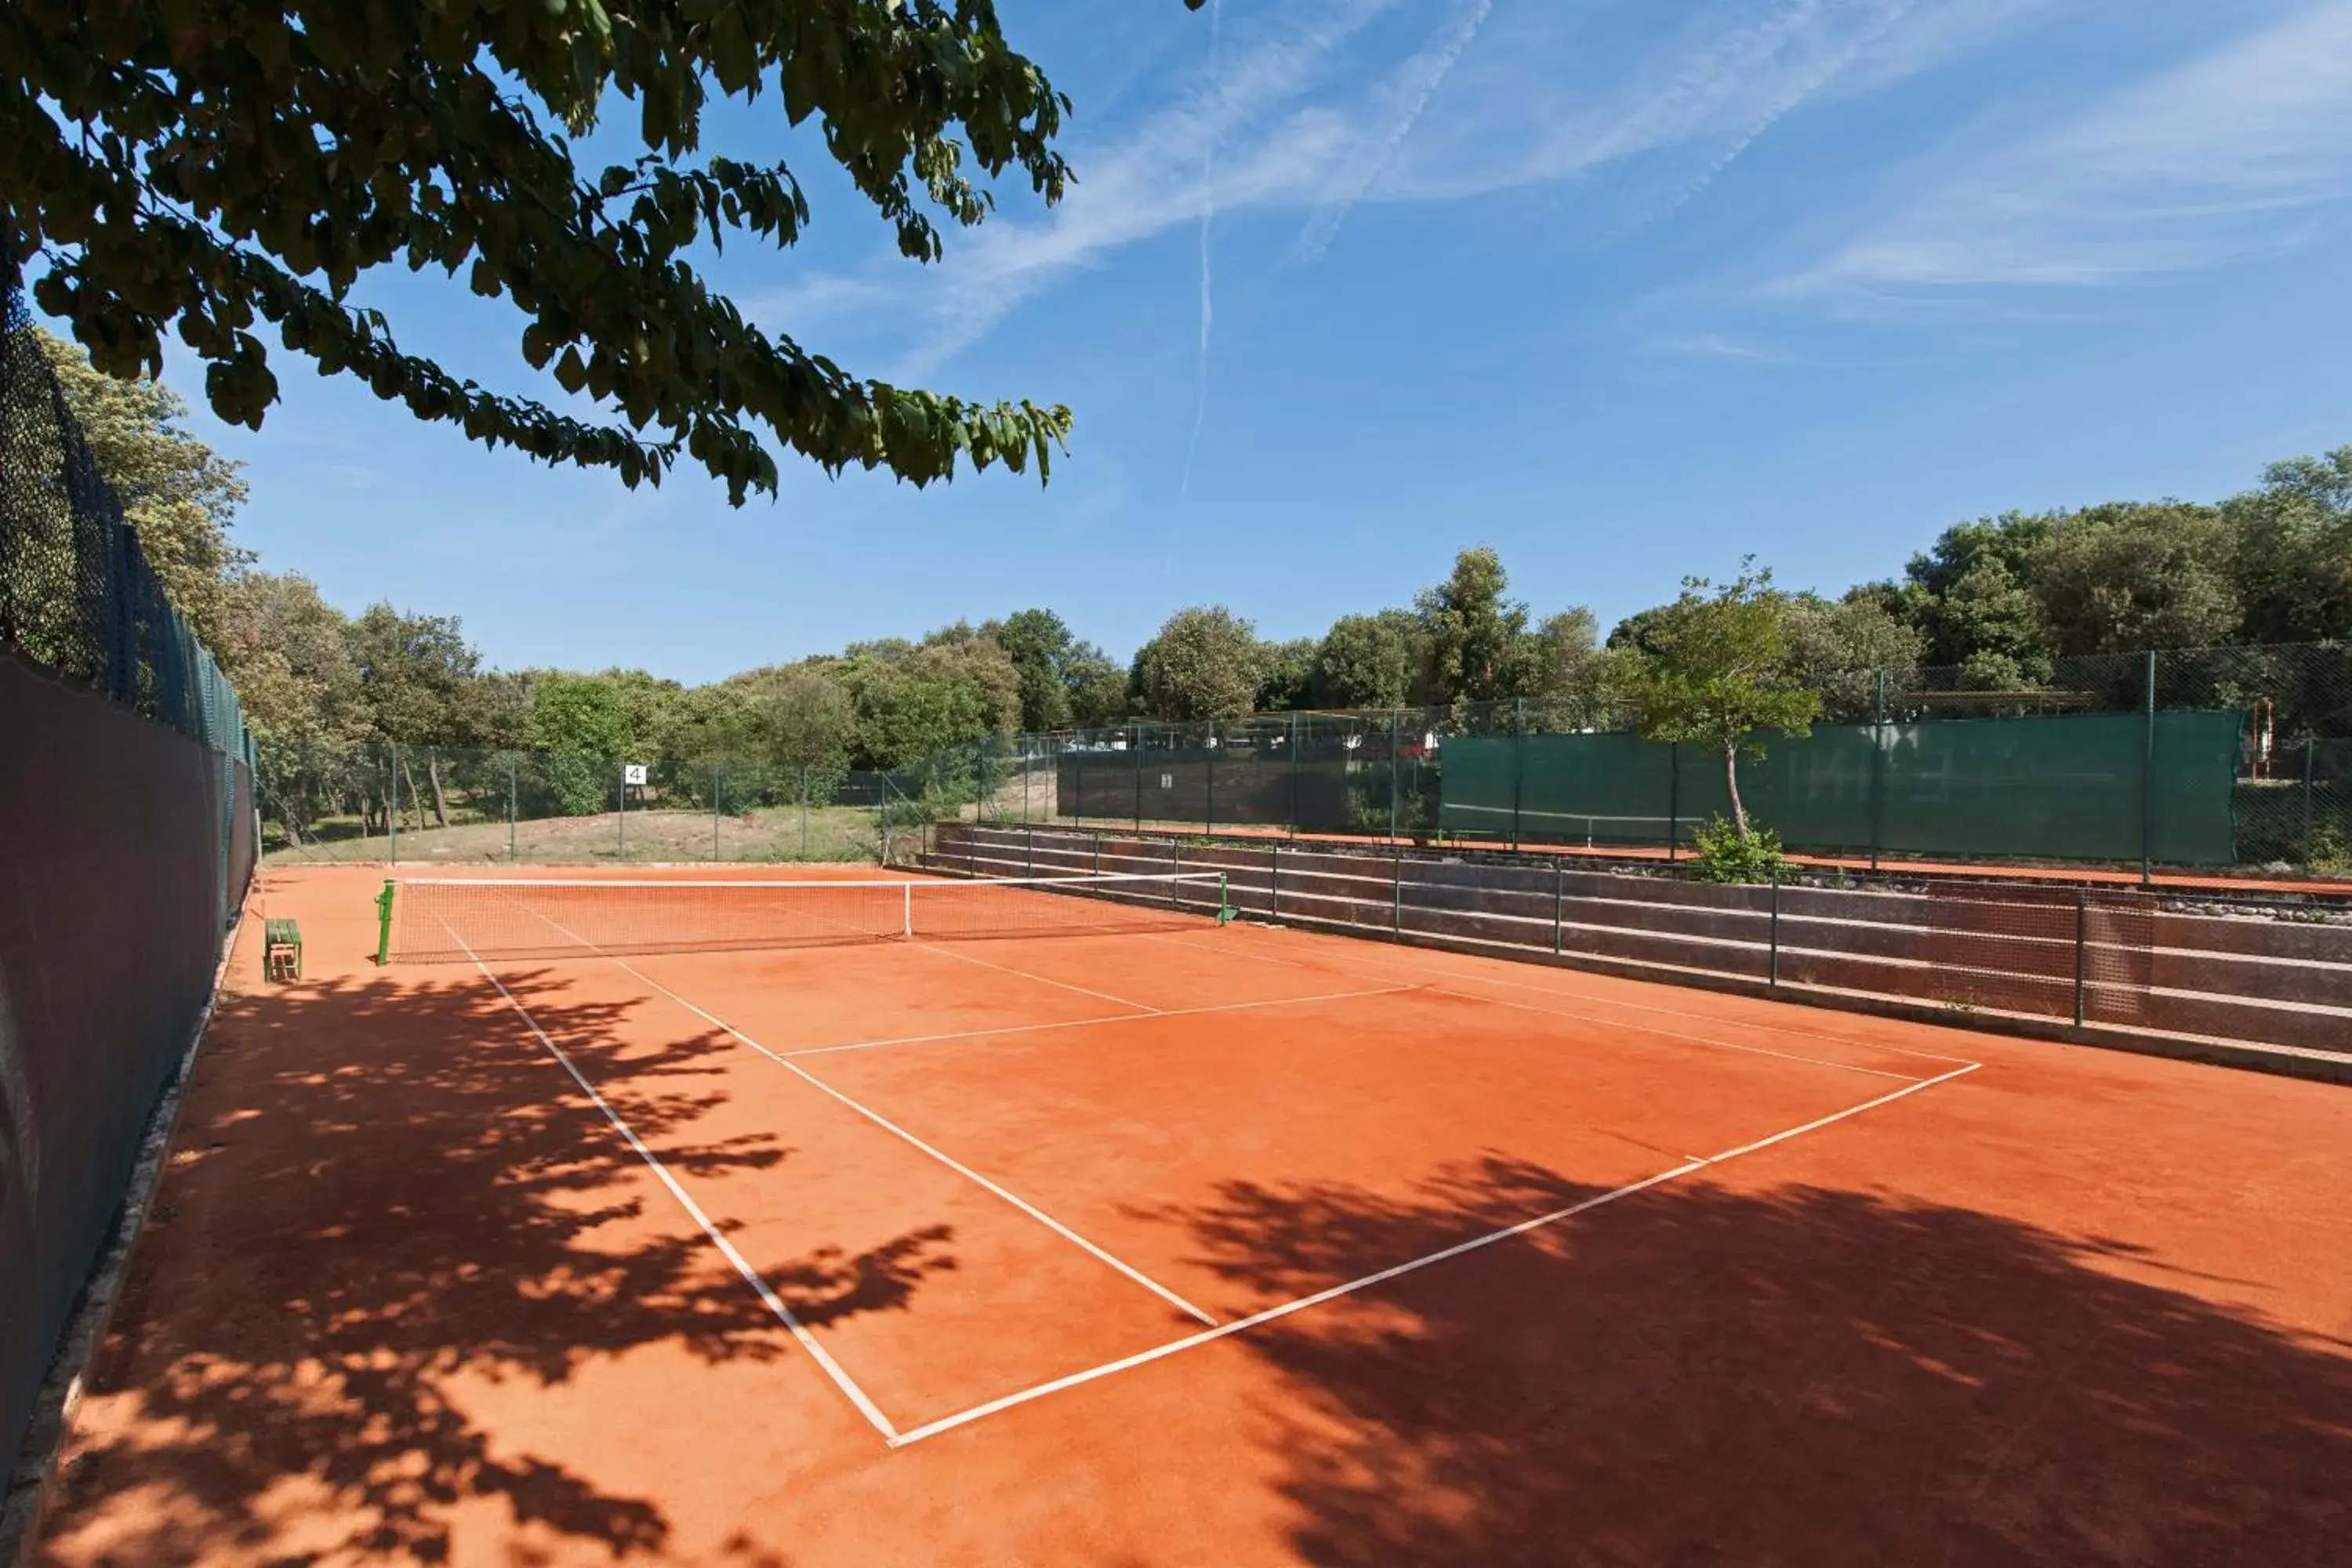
[[1427, 972], [768, 1295], [1024, 1396], [1088, 1023], [959, 1167], [1041, 979]]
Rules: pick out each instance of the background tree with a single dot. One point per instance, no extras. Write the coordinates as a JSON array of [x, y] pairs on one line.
[[1040, 645], [1842, 647], [2291, 551], [584, 720], [428, 138], [288, 653], [1568, 674], [179, 493], [1475, 640], [1285, 675], [1717, 671], [414, 674], [1369, 661], [2124, 577], [1097, 686], [1970, 598], [1205, 664]]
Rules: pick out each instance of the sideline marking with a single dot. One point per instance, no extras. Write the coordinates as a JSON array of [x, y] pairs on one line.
[[958, 1166], [1088, 1022], [751, 1277], [1023, 1396]]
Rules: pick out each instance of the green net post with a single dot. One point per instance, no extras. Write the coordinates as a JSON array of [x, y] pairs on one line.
[[383, 925], [1224, 900], [2147, 781], [392, 809], [511, 811]]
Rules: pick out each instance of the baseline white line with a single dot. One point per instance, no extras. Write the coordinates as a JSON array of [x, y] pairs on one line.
[[752, 1275], [1125, 1364], [1041, 979], [1429, 973], [1088, 1023], [947, 1423], [958, 1166]]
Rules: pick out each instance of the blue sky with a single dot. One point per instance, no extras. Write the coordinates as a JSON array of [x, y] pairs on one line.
[[1626, 288]]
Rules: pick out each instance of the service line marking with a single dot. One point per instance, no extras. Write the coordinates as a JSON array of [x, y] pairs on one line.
[[1331, 1293], [759, 1286], [952, 1164], [1089, 1023]]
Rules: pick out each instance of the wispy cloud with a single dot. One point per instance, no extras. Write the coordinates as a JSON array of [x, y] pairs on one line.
[[1410, 92], [1314, 108], [2239, 152]]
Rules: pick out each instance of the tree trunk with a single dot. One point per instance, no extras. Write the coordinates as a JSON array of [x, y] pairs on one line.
[[1731, 783], [415, 798], [433, 776]]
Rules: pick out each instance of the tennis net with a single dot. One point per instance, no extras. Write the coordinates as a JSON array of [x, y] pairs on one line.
[[428, 920]]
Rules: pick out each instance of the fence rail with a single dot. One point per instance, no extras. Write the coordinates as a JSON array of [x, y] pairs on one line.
[[2070, 958]]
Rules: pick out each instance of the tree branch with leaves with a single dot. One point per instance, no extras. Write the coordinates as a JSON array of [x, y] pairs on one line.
[[208, 166]]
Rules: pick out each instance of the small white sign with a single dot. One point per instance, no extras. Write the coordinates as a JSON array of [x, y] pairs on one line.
[[1167, 781], [632, 773]]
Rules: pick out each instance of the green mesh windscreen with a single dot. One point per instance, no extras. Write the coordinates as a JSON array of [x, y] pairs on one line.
[[2076, 786]]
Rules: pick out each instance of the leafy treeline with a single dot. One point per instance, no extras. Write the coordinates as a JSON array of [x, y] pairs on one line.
[[1999, 600]]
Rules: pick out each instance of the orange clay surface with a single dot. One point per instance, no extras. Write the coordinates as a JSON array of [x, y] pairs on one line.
[[1085, 1281]]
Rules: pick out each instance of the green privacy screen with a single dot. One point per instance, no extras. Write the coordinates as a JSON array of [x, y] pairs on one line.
[[2076, 787]]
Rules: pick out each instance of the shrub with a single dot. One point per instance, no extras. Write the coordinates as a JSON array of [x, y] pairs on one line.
[[1721, 852]]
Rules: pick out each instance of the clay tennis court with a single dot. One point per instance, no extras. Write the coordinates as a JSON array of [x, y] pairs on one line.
[[1129, 1236]]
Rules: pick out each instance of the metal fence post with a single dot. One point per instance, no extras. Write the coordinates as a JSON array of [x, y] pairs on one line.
[[2147, 783], [1396, 766], [621, 820], [1274, 887], [1292, 812], [1772, 973], [804, 811], [391, 807], [714, 813], [1210, 809], [1136, 739], [1878, 771], [1674, 800], [1396, 886], [1558, 897], [2307, 762], [2082, 949], [1518, 761], [512, 810]]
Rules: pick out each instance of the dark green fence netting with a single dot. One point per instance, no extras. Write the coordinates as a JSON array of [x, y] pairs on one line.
[[2096, 786]]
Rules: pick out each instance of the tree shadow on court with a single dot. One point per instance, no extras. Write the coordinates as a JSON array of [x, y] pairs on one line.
[[1804, 1376], [378, 1190]]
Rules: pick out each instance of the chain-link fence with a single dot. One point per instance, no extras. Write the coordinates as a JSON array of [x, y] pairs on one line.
[[128, 794], [2221, 758], [421, 804]]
